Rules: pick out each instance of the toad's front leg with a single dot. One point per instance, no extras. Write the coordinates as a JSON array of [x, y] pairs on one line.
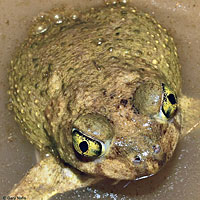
[[48, 178]]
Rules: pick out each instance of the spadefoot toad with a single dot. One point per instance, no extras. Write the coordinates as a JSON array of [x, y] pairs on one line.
[[100, 91]]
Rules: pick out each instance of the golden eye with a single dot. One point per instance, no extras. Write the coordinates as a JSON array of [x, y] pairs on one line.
[[87, 146], [169, 102]]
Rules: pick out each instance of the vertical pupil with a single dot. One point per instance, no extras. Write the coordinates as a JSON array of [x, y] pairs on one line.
[[83, 146], [171, 99]]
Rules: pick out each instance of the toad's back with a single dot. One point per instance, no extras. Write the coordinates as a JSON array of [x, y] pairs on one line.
[[89, 50]]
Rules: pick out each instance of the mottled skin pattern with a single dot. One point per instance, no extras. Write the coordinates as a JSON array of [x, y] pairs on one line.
[[95, 64]]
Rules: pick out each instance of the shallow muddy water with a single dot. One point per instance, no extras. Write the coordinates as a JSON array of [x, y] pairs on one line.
[[180, 178]]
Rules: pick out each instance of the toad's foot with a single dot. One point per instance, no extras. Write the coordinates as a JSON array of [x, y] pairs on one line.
[[48, 178]]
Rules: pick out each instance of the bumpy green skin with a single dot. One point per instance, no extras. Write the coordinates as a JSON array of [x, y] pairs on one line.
[[95, 64]]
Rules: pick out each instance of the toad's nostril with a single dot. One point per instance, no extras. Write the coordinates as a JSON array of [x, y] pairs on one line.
[[137, 159], [156, 148]]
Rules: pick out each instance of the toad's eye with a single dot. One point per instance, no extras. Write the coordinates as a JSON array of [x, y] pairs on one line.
[[169, 102], [87, 146]]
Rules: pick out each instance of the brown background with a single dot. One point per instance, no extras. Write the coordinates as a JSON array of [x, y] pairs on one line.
[[180, 179]]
